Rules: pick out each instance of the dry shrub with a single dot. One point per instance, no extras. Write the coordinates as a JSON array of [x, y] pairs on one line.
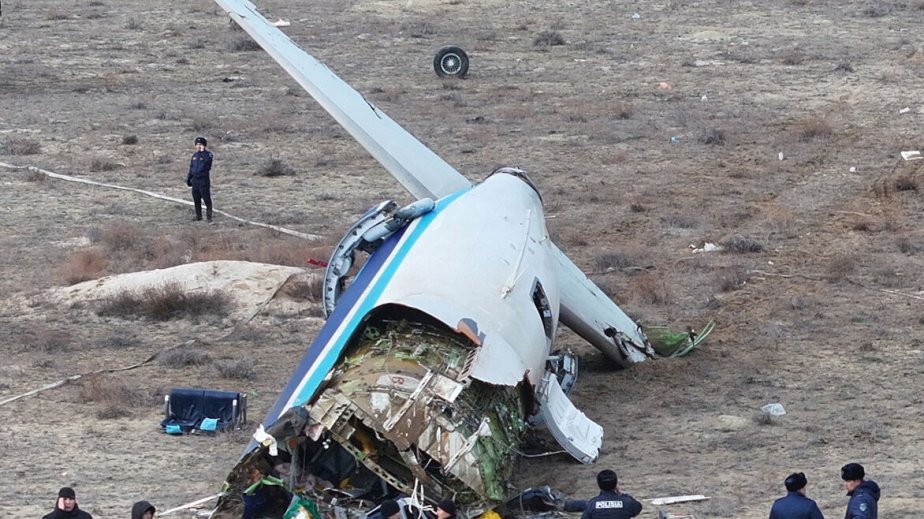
[[275, 168], [248, 334], [650, 288], [110, 392], [120, 339], [622, 110], [906, 246], [811, 128], [164, 303], [239, 369], [310, 289], [418, 29], [21, 146], [182, 357], [906, 183], [741, 244], [549, 39], [121, 237], [83, 265], [244, 44], [731, 279], [33, 175], [841, 267], [47, 340], [679, 221], [112, 412], [792, 58], [713, 137], [103, 165], [764, 418], [610, 261], [844, 66], [862, 226]]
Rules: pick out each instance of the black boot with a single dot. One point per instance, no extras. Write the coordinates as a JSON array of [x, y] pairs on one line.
[[208, 214]]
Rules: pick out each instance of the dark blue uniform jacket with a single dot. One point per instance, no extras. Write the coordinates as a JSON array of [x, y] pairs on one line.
[[610, 505], [199, 167], [795, 506], [863, 501]]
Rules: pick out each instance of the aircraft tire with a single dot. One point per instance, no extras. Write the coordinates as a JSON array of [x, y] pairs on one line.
[[450, 61]]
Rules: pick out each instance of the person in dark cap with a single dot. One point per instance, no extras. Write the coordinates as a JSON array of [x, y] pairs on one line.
[[794, 505], [66, 506], [389, 509], [446, 509], [611, 503], [143, 510], [200, 166], [864, 493]]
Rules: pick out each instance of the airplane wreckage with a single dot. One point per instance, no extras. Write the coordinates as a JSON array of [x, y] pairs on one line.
[[436, 358]]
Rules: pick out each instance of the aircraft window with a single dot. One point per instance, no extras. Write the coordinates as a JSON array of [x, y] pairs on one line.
[[545, 311]]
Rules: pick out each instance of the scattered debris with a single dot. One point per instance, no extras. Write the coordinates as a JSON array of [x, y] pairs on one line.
[[665, 86], [677, 499], [780, 155], [663, 514], [282, 23], [912, 155], [636, 16], [707, 247], [904, 110], [452, 60], [675, 139], [853, 169], [774, 409]]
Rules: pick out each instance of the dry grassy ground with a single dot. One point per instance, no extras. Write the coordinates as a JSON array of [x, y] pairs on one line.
[[818, 301]]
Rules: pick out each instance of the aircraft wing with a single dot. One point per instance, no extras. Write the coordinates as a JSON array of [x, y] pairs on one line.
[[421, 171]]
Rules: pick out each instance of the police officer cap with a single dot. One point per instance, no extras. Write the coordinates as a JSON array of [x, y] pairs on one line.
[[852, 472], [795, 482], [202, 140], [448, 506], [607, 480], [389, 508]]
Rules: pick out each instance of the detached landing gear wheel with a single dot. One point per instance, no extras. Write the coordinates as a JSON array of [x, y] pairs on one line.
[[450, 61]]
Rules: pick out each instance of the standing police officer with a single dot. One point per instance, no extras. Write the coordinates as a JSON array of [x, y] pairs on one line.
[[611, 503], [198, 178], [795, 505], [864, 493]]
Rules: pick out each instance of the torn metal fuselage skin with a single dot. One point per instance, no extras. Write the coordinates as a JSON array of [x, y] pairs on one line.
[[423, 377]]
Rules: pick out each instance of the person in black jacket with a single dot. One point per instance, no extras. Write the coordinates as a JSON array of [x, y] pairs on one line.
[[198, 178], [66, 506], [864, 493], [143, 510], [795, 505], [611, 503]]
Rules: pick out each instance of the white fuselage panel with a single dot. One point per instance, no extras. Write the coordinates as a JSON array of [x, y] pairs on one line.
[[478, 261]]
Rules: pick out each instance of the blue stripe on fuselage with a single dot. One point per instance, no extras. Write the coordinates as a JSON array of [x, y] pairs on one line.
[[362, 295]]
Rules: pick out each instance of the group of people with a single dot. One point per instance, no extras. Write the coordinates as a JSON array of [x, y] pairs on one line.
[[863, 493], [610, 503], [66, 508]]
